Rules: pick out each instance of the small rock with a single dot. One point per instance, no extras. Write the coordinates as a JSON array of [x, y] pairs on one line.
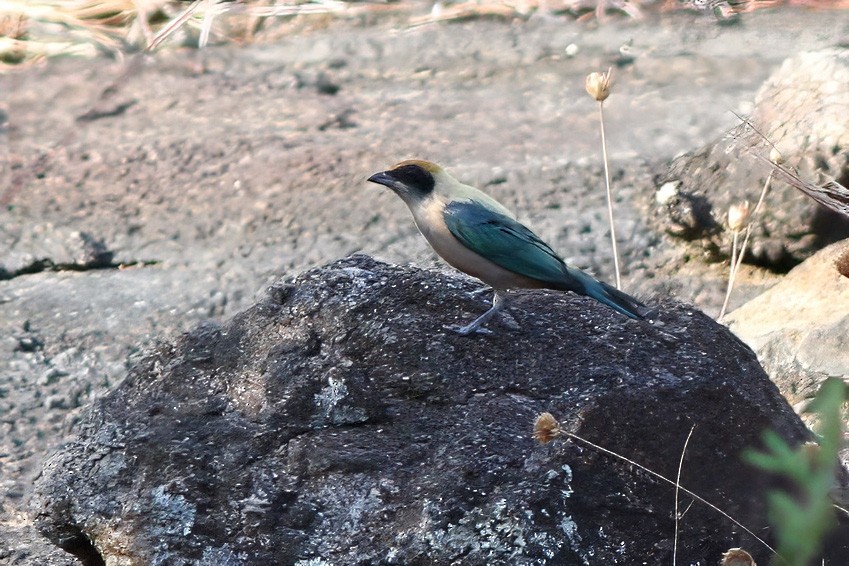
[[57, 401], [799, 327], [29, 343], [51, 376]]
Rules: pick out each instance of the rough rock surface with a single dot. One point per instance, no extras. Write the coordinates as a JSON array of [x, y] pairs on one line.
[[803, 108], [337, 421], [799, 328]]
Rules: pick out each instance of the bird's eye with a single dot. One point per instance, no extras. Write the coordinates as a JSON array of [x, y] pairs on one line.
[[414, 177]]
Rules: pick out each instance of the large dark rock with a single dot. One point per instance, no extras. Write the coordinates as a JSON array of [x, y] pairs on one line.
[[339, 420]]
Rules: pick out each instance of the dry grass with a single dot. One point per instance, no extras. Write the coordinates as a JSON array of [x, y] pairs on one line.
[[32, 30]]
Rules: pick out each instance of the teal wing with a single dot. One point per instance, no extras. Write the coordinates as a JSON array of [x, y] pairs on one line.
[[504, 242]]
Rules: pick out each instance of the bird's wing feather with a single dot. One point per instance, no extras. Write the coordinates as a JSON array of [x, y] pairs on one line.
[[504, 241], [507, 243]]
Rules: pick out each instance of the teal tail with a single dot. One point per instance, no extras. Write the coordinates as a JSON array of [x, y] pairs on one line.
[[610, 296], [617, 300]]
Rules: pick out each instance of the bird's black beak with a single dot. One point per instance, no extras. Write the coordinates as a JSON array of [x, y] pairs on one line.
[[383, 178]]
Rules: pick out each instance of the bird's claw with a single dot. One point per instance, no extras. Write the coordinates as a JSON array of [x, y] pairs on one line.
[[478, 292], [466, 330]]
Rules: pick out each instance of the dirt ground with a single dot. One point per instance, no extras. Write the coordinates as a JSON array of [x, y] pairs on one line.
[[208, 174]]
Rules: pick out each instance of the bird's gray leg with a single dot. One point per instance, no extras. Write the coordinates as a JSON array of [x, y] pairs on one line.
[[498, 302], [480, 291]]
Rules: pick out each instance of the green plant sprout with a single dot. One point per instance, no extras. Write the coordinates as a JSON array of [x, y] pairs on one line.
[[804, 516]]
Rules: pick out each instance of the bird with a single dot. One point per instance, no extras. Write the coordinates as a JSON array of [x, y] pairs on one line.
[[476, 234]]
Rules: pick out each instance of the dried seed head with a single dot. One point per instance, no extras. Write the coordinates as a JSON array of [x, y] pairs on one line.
[[737, 557], [598, 85], [775, 156], [738, 216], [546, 428]]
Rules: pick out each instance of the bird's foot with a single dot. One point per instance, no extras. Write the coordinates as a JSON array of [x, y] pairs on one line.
[[510, 322], [468, 329], [475, 326], [478, 292]]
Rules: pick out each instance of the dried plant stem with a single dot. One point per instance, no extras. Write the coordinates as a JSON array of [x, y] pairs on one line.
[[763, 193], [210, 10], [677, 490], [732, 273], [750, 224], [173, 25], [609, 195], [677, 485], [737, 259]]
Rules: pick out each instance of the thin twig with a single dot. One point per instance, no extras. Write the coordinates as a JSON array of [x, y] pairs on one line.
[[763, 194], [831, 194], [677, 486], [210, 10], [738, 260], [731, 274], [174, 25]]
